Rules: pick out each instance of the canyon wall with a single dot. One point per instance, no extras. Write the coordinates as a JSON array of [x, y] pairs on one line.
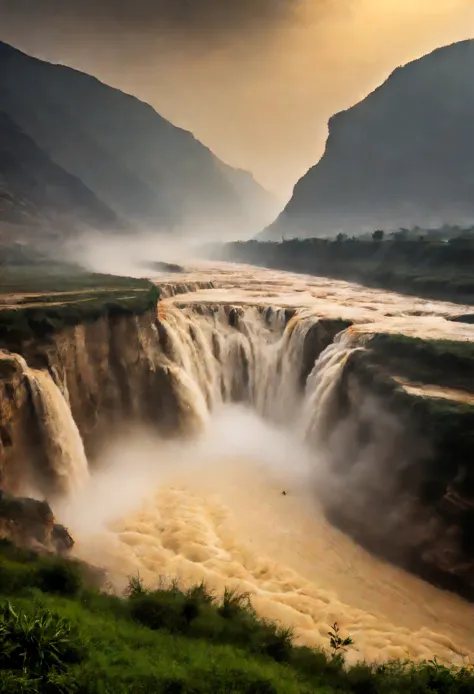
[[397, 475], [101, 375], [391, 465]]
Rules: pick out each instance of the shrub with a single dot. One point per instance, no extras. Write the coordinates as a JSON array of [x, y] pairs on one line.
[[309, 661], [160, 610], [276, 641], [243, 682], [14, 682], [234, 603], [135, 587], [201, 594], [59, 576]]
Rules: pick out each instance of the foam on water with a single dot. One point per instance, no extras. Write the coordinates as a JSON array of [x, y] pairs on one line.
[[371, 309], [211, 508], [217, 514]]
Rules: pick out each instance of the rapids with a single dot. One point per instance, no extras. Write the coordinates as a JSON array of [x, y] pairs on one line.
[[371, 310], [210, 507], [217, 514]]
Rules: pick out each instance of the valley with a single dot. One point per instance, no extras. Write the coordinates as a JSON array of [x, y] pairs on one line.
[[164, 440]]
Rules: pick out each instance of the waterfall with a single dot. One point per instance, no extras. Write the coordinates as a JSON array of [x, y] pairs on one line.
[[62, 441], [253, 356], [320, 405], [204, 356], [236, 354]]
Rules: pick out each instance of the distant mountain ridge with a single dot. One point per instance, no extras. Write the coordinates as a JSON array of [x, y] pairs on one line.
[[145, 171], [34, 190], [403, 156]]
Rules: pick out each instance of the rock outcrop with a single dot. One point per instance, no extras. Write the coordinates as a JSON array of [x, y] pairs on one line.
[[403, 156], [393, 453], [73, 391], [30, 523], [398, 477], [150, 173]]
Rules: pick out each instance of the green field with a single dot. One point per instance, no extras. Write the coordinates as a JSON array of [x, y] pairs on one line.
[[35, 301], [60, 634], [448, 363]]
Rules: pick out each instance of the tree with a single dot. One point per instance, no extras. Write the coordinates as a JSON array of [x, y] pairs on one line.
[[340, 238], [378, 235]]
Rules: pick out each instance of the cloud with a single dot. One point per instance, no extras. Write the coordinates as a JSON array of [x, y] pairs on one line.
[[191, 17]]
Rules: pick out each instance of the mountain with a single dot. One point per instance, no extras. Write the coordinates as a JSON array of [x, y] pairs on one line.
[[403, 156], [36, 192], [145, 170]]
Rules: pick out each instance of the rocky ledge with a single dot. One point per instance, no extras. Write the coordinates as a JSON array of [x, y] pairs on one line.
[[399, 472], [31, 524]]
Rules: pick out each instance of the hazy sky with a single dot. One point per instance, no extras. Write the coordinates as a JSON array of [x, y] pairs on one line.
[[255, 80]]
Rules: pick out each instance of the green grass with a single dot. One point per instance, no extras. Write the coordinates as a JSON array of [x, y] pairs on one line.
[[60, 636], [426, 348], [64, 299], [447, 363], [60, 278]]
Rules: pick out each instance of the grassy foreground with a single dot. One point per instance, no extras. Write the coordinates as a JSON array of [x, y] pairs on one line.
[[58, 634]]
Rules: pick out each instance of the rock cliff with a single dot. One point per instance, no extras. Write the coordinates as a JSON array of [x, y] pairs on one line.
[[30, 523], [403, 156], [391, 417], [398, 474], [81, 387]]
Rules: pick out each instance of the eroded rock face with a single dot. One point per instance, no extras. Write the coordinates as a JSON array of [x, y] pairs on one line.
[[111, 373], [399, 478], [15, 420], [403, 156], [30, 523], [61, 539]]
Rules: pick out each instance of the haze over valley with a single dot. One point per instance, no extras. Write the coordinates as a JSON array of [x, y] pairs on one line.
[[236, 432]]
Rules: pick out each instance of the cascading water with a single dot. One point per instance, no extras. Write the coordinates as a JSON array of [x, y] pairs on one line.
[[297, 568], [61, 439], [212, 356], [241, 355], [319, 406]]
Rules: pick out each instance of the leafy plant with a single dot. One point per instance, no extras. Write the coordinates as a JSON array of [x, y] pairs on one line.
[[36, 643], [337, 643]]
